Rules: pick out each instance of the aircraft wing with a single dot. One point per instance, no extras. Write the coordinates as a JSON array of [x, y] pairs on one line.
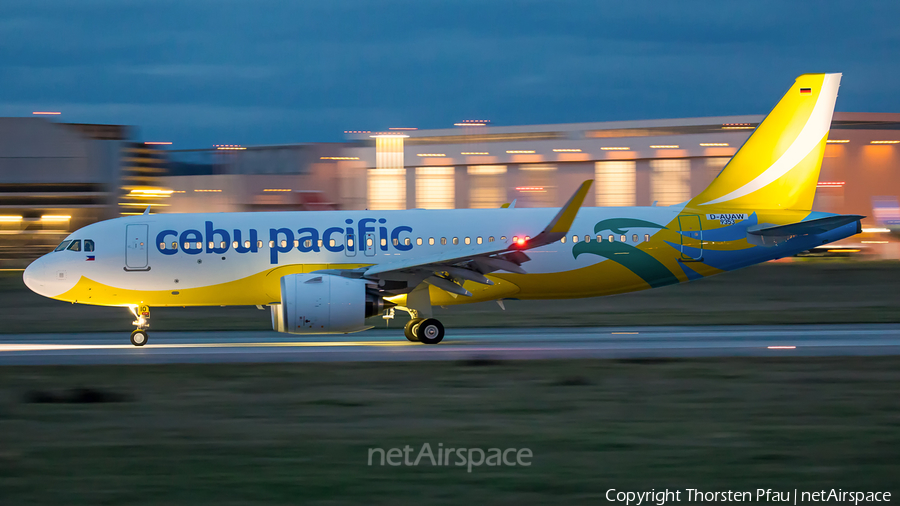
[[448, 269]]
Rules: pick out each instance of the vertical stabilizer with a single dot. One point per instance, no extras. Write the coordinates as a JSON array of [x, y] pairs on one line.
[[778, 166]]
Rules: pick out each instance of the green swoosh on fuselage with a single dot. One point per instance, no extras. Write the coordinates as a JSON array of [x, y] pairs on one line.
[[639, 262], [618, 224]]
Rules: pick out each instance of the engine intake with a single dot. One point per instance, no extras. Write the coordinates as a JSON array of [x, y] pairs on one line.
[[324, 304]]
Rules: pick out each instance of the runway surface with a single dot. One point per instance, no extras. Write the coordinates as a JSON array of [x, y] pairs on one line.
[[459, 344]]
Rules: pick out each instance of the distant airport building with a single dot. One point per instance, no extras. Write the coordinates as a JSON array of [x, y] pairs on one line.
[[56, 177]]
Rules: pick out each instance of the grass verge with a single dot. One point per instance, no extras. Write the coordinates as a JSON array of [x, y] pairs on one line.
[[289, 434]]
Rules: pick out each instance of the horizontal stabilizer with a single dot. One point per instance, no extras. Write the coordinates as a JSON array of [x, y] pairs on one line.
[[816, 226]]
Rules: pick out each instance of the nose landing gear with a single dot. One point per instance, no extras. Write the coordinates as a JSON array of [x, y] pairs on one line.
[[141, 314]]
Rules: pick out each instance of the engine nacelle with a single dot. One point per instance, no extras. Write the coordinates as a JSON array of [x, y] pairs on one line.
[[324, 304]]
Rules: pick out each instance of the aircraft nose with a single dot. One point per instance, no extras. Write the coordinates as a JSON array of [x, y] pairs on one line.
[[35, 276]]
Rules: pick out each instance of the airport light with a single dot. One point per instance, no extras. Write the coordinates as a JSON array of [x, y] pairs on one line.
[[520, 151], [402, 128], [208, 191], [615, 148], [714, 144], [837, 141], [664, 146], [474, 153], [737, 126], [10, 219], [567, 150], [531, 189], [339, 158], [158, 143], [278, 190], [885, 142], [357, 131], [876, 230], [473, 122], [388, 135], [830, 184], [431, 154], [55, 217], [47, 113]]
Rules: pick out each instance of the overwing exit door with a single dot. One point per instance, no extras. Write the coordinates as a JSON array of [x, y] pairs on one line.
[[136, 248]]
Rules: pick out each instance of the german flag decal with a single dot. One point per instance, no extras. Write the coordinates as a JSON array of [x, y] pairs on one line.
[[806, 91]]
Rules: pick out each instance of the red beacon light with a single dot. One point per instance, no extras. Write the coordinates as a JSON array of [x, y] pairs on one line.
[[520, 241]]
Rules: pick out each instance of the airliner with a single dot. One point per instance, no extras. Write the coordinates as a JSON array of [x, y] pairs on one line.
[[326, 272]]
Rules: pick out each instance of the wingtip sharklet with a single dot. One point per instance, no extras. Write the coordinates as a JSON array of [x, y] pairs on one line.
[[566, 216]]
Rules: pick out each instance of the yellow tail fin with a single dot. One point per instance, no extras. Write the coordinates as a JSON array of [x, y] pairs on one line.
[[778, 166]]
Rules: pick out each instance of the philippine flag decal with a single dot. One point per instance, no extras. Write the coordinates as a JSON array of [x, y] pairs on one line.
[[90, 258]]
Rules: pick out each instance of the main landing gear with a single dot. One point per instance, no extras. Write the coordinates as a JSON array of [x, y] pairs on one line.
[[141, 315], [424, 330]]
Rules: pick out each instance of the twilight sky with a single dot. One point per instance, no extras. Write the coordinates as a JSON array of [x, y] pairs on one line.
[[204, 72]]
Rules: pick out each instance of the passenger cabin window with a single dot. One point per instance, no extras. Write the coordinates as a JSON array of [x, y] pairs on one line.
[[369, 242], [418, 241], [443, 240], [634, 238], [75, 246], [331, 243], [563, 240], [259, 244], [624, 238], [349, 241], [62, 246], [88, 245], [296, 243], [396, 242], [222, 244], [502, 238], [431, 241], [478, 240], [612, 238], [384, 242], [646, 237], [162, 245], [175, 245], [468, 240], [491, 239], [456, 240], [407, 242], [271, 244], [307, 243], [246, 244], [599, 238], [574, 238], [587, 238]]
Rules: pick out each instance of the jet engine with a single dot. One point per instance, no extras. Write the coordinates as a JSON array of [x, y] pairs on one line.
[[324, 304]]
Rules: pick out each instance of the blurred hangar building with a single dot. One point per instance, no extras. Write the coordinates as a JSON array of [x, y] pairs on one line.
[[56, 177]]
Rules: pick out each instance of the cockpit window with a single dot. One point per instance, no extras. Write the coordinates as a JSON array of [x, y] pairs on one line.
[[62, 245], [75, 246], [88, 245]]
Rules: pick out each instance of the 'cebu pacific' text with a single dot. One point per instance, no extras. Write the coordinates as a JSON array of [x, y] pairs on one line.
[[368, 235]]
